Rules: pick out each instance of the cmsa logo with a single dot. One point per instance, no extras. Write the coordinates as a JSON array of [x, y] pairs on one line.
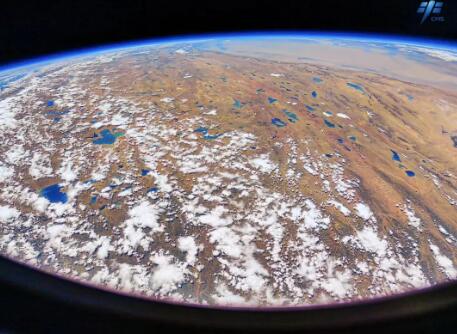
[[430, 9]]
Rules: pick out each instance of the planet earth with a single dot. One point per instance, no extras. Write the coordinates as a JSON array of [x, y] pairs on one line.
[[247, 170]]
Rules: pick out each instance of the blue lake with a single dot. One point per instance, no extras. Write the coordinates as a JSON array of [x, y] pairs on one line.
[[410, 173], [356, 87], [279, 123], [329, 124], [237, 104], [395, 156], [211, 137], [201, 130], [54, 194], [311, 109], [107, 138], [292, 117], [207, 136]]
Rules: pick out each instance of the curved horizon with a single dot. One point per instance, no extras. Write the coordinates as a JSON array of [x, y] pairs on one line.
[[434, 43]]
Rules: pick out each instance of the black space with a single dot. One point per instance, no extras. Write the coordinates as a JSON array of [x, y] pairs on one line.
[[35, 28]]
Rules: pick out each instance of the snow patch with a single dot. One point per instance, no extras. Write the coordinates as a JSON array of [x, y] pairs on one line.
[[363, 211], [8, 213], [167, 276], [344, 210], [263, 163], [444, 262]]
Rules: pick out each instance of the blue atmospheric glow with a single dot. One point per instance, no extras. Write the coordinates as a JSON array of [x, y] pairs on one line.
[[439, 44]]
